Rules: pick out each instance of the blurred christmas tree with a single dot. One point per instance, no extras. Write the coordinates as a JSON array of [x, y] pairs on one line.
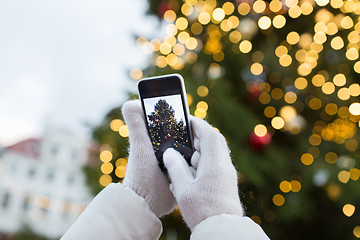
[[279, 80]]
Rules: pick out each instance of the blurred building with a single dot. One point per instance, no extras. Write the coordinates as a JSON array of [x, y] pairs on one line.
[[42, 185]]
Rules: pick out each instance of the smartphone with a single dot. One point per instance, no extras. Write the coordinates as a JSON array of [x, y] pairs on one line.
[[166, 111]]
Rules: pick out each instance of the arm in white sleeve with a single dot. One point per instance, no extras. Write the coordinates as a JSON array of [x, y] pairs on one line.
[[230, 227], [117, 212]]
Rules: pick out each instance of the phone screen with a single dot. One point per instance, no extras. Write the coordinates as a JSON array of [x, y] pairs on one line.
[[166, 119]]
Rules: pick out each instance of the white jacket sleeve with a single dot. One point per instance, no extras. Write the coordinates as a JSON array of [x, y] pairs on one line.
[[117, 212], [230, 227]]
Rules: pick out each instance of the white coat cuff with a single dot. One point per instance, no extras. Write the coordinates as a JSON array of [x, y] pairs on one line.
[[226, 226], [117, 212]]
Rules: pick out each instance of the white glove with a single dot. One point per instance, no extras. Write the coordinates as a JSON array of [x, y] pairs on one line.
[[143, 174], [212, 189]]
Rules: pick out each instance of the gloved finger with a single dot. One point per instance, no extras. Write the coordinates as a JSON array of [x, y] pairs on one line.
[[210, 139], [178, 169], [134, 119], [195, 159]]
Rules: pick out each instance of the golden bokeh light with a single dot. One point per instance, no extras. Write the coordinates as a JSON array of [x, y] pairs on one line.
[[356, 231], [105, 180], [307, 159], [116, 124], [351, 145], [295, 186], [331, 108], [183, 37], [352, 54], [260, 130], [294, 11], [278, 200], [344, 176], [269, 111], [277, 93], [256, 68], [320, 37], [259, 6], [200, 113], [290, 97], [120, 171], [165, 48], [348, 210], [315, 103], [219, 56], [315, 140], [179, 49], [106, 168], [328, 88], [123, 131], [196, 28], [228, 8], [322, 3], [354, 174], [354, 108], [293, 38], [169, 16], [285, 186], [136, 73], [301, 83], [331, 28], [244, 8], [357, 67], [264, 22], [343, 93], [354, 89], [204, 18], [306, 8], [331, 157], [279, 21], [337, 43], [235, 36], [202, 105], [339, 80], [347, 22], [288, 113], [280, 51], [171, 59], [285, 60], [189, 99], [336, 3], [181, 23], [275, 6], [277, 123], [187, 9], [161, 61], [106, 156], [264, 98], [318, 80], [245, 46], [218, 14], [121, 162], [202, 91], [191, 43]]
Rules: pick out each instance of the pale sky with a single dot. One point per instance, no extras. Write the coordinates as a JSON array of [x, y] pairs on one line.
[[67, 61]]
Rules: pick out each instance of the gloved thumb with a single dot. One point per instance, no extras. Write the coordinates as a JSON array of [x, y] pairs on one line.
[[178, 169]]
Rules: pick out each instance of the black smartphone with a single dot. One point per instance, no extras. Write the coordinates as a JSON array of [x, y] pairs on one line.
[[166, 111]]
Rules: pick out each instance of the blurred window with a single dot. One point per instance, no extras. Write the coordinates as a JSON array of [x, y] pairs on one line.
[[6, 200], [50, 175], [31, 172]]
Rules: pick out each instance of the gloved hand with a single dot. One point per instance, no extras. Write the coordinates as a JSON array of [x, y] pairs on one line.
[[143, 174], [212, 188]]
